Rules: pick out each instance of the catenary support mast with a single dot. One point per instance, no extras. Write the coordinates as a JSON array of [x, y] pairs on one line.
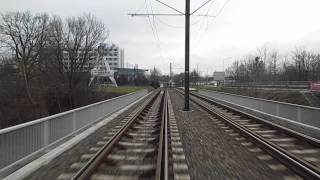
[[187, 41], [187, 57]]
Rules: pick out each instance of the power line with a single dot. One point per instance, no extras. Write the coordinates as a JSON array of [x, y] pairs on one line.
[[147, 14], [170, 7], [140, 7], [199, 29], [218, 13], [173, 26], [201, 6], [154, 29], [187, 44], [209, 8], [225, 4]]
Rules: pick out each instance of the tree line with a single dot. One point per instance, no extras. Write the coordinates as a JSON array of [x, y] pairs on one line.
[[269, 65], [33, 73], [45, 64]]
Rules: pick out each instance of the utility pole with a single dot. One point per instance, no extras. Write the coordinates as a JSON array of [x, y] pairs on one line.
[[170, 76], [198, 75], [187, 41], [187, 56]]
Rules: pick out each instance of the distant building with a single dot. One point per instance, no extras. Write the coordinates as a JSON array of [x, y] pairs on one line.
[[129, 72], [91, 62], [219, 77], [113, 54]]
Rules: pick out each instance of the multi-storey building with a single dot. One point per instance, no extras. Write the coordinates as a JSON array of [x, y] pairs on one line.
[[91, 60], [114, 55], [102, 62]]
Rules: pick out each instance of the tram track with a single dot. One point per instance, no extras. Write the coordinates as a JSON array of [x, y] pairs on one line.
[[298, 152], [133, 151], [140, 147]]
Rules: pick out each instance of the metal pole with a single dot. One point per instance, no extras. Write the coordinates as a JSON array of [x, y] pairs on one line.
[[170, 79], [197, 80], [187, 49]]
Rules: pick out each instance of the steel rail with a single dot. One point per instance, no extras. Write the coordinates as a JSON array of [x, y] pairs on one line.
[[303, 137], [166, 147], [162, 163], [86, 171], [297, 164]]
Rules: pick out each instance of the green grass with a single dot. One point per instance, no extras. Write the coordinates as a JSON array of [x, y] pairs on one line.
[[122, 89], [218, 88]]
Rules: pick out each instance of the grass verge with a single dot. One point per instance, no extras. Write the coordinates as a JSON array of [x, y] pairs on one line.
[[122, 89]]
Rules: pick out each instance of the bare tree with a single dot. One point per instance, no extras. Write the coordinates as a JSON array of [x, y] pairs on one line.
[[263, 52], [302, 62], [75, 39], [273, 64], [315, 67], [155, 77], [25, 35], [300, 65]]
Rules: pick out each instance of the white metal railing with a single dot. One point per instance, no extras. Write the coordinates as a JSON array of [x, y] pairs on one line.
[[19, 142], [302, 114]]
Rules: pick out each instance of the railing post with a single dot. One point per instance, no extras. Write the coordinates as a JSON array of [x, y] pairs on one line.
[[299, 118], [74, 121], [45, 133], [112, 106], [277, 109], [91, 114], [261, 106]]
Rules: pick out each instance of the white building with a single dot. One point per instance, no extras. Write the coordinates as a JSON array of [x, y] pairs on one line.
[[91, 62], [219, 77], [113, 54]]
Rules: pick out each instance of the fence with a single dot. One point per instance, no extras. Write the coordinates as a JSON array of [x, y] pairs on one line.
[[298, 113], [20, 141], [272, 84], [315, 86]]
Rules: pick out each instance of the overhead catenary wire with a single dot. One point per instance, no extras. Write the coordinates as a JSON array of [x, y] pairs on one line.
[[217, 14], [170, 7], [140, 8], [201, 6], [154, 27], [199, 29], [153, 24], [176, 26]]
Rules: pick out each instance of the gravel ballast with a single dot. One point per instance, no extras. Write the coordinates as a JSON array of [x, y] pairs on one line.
[[211, 152]]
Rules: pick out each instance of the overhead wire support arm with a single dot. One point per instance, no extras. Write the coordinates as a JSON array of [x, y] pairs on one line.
[[205, 15], [135, 14], [170, 7], [200, 7]]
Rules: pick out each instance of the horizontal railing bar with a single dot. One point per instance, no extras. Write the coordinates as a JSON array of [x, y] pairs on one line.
[[37, 121], [266, 100]]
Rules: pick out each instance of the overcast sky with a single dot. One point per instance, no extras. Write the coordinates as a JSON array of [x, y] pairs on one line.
[[241, 26]]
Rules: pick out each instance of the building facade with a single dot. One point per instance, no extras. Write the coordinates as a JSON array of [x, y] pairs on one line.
[[91, 60], [113, 54]]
